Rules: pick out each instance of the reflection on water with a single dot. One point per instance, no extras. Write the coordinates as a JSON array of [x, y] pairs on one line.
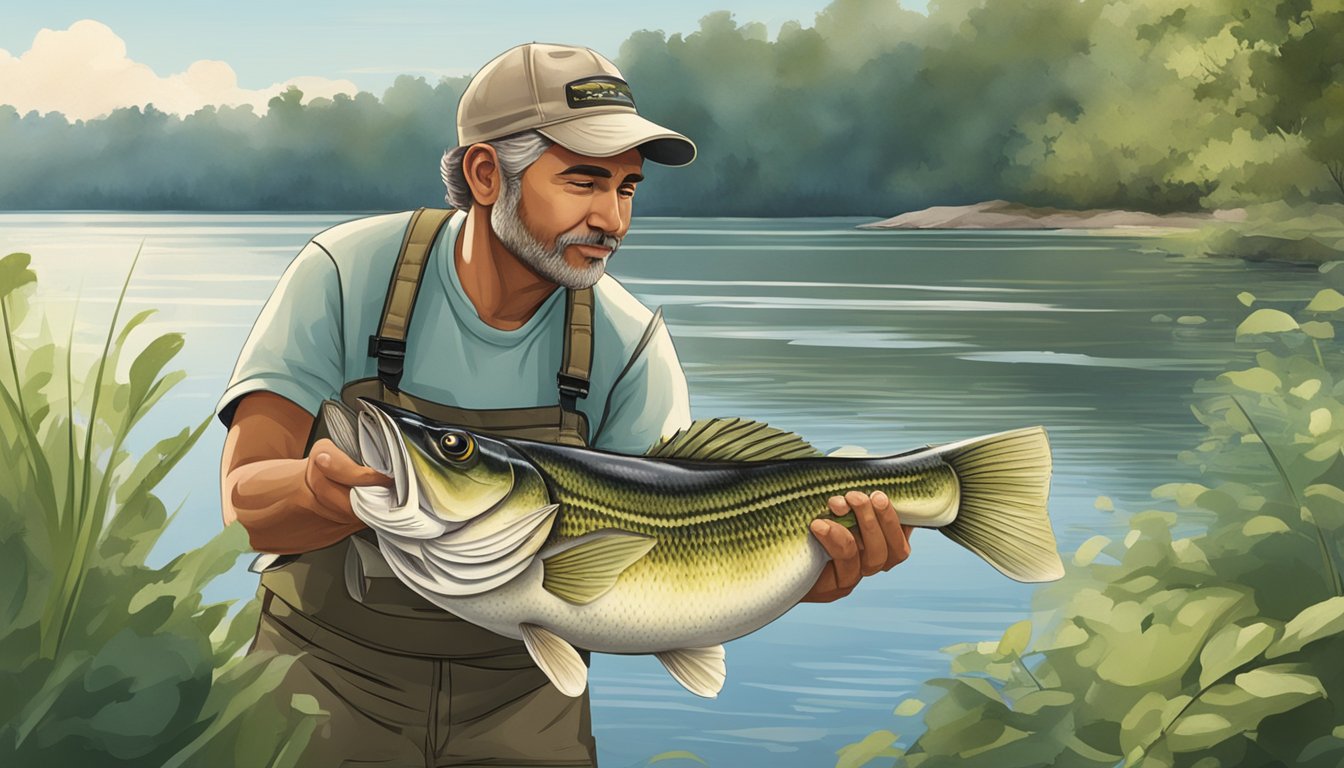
[[886, 340]]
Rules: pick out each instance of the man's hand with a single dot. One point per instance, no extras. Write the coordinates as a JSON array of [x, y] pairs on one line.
[[881, 542], [330, 474], [287, 502]]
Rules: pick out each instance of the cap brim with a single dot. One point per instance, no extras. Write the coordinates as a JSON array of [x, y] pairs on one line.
[[611, 133]]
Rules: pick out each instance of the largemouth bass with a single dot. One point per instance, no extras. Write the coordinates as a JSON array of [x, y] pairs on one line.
[[702, 540]]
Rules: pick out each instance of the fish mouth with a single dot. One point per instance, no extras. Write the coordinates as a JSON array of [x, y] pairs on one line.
[[440, 558], [382, 450], [404, 509]]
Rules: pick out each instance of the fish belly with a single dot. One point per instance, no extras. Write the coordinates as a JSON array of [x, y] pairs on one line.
[[652, 609]]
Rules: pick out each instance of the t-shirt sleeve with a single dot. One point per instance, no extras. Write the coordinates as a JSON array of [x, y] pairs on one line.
[[295, 349], [649, 402]]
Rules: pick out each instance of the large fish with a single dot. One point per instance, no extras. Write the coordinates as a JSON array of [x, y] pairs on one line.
[[702, 540]]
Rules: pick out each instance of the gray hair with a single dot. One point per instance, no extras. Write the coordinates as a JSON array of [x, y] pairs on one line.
[[515, 152]]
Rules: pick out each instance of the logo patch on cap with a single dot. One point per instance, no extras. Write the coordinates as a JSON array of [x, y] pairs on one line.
[[601, 91]]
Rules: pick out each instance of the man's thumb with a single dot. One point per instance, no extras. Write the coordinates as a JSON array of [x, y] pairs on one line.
[[340, 468]]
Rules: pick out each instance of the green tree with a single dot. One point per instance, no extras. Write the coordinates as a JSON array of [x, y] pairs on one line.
[[869, 108], [1300, 82]]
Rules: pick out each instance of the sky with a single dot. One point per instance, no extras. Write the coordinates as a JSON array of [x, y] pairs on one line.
[[86, 58]]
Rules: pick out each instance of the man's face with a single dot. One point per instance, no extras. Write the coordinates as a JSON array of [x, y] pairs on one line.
[[568, 213]]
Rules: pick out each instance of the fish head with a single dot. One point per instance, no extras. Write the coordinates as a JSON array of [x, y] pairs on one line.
[[456, 474]]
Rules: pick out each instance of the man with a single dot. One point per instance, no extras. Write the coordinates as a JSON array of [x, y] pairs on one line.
[[467, 319]]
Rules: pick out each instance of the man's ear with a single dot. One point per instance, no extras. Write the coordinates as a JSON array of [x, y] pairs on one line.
[[481, 167]]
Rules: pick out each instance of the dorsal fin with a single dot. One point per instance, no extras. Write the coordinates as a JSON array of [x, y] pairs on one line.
[[732, 440]]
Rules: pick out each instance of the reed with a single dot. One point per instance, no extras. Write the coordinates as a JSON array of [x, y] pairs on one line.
[[104, 658]]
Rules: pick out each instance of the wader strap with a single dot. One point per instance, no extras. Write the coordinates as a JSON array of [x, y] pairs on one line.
[[576, 364], [389, 344], [655, 323]]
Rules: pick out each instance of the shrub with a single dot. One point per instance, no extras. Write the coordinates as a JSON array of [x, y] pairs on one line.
[[1213, 638], [1311, 234], [104, 659]]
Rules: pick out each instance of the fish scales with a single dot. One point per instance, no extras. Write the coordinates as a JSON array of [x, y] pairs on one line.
[[705, 515]]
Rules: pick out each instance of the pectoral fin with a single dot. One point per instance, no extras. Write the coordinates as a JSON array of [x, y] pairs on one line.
[[584, 569], [700, 670], [557, 658]]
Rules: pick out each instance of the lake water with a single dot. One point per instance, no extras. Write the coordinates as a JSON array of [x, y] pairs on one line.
[[886, 340]]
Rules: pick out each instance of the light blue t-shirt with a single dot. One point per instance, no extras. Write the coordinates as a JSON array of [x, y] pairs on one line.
[[312, 337]]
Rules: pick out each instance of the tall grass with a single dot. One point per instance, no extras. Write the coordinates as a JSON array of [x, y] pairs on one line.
[[104, 659], [1220, 647]]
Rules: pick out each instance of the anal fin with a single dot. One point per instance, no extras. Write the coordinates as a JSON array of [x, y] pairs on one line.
[[699, 670], [557, 658], [582, 570]]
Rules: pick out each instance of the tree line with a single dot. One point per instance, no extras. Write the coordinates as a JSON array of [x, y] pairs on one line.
[[871, 110]]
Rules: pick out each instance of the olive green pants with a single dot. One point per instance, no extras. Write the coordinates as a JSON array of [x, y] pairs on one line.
[[390, 709]]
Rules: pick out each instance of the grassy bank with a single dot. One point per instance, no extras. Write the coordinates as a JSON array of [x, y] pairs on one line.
[[1206, 638], [104, 659], [1311, 234]]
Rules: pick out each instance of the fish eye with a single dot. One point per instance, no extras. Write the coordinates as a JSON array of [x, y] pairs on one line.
[[457, 446]]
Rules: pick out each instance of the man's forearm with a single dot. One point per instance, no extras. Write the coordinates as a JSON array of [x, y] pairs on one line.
[[273, 502]]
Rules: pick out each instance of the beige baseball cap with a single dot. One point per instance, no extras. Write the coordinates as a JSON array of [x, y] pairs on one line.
[[572, 96]]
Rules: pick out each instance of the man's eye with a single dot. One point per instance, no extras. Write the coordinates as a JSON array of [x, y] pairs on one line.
[[626, 191], [582, 184]]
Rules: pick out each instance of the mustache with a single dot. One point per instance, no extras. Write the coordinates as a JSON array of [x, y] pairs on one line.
[[588, 238]]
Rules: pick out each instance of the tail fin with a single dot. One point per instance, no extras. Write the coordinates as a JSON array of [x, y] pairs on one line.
[[1005, 481]]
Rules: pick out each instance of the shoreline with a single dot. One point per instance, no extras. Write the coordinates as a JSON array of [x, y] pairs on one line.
[[1002, 214], [1297, 234]]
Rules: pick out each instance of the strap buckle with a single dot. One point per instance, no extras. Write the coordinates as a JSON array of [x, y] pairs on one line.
[[571, 386], [381, 346], [391, 354]]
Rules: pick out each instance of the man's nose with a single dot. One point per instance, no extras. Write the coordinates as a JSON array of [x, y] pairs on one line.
[[605, 213]]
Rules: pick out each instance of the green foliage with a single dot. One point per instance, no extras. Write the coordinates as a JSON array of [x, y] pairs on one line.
[[1300, 84], [104, 659], [345, 153], [1220, 647], [1304, 233], [873, 109], [874, 745]]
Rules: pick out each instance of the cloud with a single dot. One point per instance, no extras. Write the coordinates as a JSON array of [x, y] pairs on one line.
[[83, 72]]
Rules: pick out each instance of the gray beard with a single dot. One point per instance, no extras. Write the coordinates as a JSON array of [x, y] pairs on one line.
[[512, 231]]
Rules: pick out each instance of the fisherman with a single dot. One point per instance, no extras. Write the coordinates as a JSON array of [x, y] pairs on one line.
[[466, 317]]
